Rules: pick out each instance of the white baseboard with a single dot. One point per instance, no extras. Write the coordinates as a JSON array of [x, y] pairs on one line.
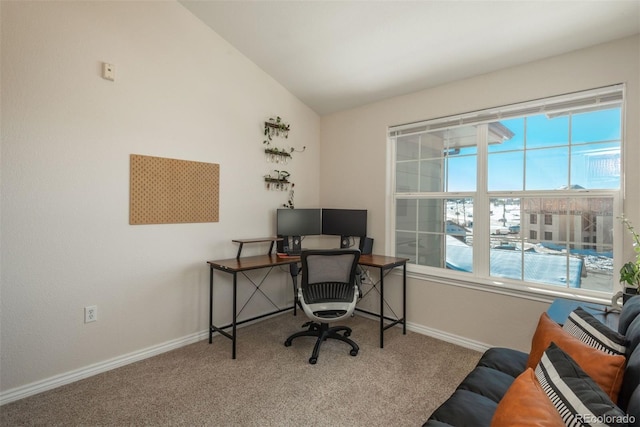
[[107, 365], [444, 336], [97, 368], [440, 335]]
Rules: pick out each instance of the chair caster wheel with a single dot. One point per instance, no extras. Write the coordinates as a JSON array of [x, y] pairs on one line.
[[353, 352], [313, 360], [287, 343]]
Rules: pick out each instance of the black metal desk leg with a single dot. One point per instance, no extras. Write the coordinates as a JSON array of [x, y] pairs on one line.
[[381, 308], [293, 270], [235, 308], [210, 304], [404, 299]]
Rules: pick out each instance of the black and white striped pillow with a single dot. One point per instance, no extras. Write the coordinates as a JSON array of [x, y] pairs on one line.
[[578, 399], [582, 325]]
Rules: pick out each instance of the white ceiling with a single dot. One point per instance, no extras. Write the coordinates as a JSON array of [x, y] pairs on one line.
[[335, 55]]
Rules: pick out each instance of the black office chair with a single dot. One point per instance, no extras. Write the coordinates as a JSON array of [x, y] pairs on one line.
[[328, 294]]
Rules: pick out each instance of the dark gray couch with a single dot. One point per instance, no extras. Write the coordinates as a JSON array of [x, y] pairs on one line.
[[476, 398]]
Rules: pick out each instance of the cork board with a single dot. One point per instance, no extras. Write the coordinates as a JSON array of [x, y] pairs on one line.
[[169, 191]]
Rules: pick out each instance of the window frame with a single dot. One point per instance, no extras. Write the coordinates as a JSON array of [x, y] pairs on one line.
[[480, 278]]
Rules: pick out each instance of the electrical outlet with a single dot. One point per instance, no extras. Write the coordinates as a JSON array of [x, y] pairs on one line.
[[90, 313]]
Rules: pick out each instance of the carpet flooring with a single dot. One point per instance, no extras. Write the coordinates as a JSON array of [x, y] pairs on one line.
[[267, 385]]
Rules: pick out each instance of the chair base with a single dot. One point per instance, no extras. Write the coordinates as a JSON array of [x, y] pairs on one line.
[[323, 332]]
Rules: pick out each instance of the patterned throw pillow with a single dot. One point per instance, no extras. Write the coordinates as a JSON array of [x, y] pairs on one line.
[[582, 325], [578, 399], [607, 370]]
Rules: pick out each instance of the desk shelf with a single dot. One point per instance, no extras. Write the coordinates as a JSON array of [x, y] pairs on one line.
[[257, 240]]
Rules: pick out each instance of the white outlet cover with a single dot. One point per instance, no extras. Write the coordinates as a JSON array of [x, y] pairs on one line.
[[108, 71], [90, 314]]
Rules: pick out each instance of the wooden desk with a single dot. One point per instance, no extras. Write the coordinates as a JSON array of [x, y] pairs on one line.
[[234, 266]]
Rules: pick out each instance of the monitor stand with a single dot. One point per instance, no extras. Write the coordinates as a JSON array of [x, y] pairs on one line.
[[344, 242]]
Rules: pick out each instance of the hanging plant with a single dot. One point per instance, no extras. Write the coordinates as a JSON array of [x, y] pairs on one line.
[[278, 181], [289, 203], [275, 127], [276, 155]]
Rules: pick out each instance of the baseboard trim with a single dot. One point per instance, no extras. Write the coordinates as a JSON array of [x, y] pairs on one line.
[[126, 359], [438, 334], [97, 368], [450, 338]]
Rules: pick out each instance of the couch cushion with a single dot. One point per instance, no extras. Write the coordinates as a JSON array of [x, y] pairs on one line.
[[633, 335], [631, 379], [487, 382], [593, 332], [630, 311], [633, 410], [576, 396], [434, 423], [507, 360], [526, 404], [605, 369], [465, 408]]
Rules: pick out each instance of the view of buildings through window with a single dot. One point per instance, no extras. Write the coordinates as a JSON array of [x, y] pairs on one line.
[[529, 198]]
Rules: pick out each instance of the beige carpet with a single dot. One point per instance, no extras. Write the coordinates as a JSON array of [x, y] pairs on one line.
[[267, 385]]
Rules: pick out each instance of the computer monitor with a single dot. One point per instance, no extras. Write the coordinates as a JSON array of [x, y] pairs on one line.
[[296, 223], [346, 223]]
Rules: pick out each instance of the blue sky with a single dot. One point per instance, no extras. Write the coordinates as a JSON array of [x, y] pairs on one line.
[[595, 149]]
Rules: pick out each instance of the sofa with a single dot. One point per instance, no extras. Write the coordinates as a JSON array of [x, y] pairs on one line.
[[510, 387]]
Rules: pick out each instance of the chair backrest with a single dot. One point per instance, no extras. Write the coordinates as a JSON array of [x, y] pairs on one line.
[[329, 274]]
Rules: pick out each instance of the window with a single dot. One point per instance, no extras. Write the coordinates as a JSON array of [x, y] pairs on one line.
[[468, 191]]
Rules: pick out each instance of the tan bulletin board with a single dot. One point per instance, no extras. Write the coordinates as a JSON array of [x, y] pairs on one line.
[[169, 191]]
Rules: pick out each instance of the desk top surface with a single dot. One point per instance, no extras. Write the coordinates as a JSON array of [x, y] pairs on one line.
[[251, 262], [264, 261], [383, 261]]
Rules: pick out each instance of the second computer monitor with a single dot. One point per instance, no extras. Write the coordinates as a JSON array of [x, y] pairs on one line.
[[345, 223]]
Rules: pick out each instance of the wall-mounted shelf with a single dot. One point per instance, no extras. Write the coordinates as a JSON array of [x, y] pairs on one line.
[[275, 155], [276, 127], [277, 184]]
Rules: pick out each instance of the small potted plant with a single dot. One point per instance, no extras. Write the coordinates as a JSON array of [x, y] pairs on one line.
[[630, 271]]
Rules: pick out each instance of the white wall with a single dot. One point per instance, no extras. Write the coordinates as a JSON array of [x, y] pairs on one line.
[[181, 92], [355, 141]]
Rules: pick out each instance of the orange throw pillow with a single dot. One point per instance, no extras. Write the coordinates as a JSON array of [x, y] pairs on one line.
[[525, 404], [605, 369]]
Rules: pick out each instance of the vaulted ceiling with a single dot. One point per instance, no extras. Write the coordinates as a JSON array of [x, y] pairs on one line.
[[335, 55]]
